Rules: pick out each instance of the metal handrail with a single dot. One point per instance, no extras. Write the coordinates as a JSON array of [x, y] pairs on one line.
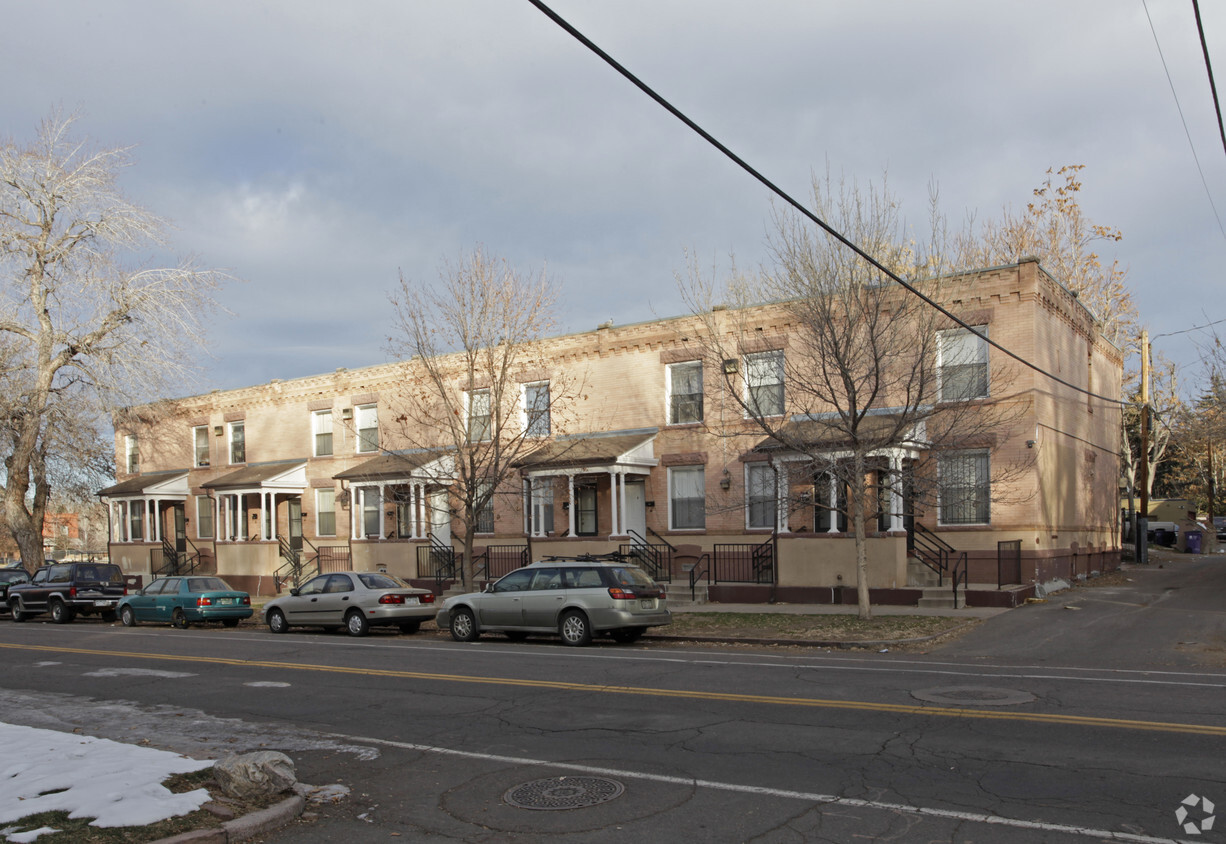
[[699, 572], [932, 551], [960, 565]]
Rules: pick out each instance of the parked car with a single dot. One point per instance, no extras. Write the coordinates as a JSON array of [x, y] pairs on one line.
[[354, 600], [9, 576], [179, 601], [66, 590], [575, 599]]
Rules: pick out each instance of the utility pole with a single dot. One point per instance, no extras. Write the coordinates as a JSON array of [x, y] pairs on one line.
[[1143, 474]]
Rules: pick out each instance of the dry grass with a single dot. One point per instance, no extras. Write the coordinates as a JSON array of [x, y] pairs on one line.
[[811, 628]]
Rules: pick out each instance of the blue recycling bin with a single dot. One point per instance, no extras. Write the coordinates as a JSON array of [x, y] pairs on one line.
[[1193, 542]]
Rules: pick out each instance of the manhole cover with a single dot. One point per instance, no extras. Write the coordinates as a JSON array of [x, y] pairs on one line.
[[563, 793], [973, 695]]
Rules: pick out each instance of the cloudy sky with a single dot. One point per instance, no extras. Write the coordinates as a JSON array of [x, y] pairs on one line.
[[318, 149]]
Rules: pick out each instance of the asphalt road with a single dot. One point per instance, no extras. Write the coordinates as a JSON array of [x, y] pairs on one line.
[[1044, 724]]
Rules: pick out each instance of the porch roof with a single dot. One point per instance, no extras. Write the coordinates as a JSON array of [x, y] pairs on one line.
[[154, 484], [591, 451], [880, 430], [398, 466], [290, 475]]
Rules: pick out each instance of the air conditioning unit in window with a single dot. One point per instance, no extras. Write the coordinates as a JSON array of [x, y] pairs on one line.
[[346, 413], [731, 365]]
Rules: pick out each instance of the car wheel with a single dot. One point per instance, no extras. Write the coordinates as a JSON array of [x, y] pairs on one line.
[[230, 622], [575, 629], [276, 622], [60, 614], [410, 627], [626, 635], [464, 626], [127, 617], [515, 635], [178, 620], [109, 616], [16, 611], [356, 623]]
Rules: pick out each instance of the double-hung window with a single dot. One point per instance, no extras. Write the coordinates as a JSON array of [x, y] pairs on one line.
[[372, 518], [964, 485], [536, 409], [764, 383], [321, 432], [685, 392], [540, 507], [136, 520], [131, 454], [238, 442], [325, 512], [585, 510], [200, 446], [478, 416], [760, 495], [368, 428], [963, 364], [687, 497], [204, 517]]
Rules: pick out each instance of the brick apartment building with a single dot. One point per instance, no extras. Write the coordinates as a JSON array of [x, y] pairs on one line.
[[652, 459]]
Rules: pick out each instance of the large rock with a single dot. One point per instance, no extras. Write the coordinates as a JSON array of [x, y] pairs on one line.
[[253, 775]]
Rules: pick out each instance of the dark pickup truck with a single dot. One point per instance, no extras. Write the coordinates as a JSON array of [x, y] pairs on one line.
[[67, 589]]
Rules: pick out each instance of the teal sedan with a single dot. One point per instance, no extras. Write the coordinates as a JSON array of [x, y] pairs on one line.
[[179, 601]]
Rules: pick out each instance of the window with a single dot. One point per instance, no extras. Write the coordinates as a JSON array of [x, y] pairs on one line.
[[485, 513], [687, 495], [964, 481], [760, 495], [368, 428], [372, 522], [204, 517], [200, 445], [478, 416], [684, 392], [536, 409], [963, 364], [321, 429], [136, 520], [238, 442], [541, 507], [132, 454], [325, 512], [829, 504], [764, 383], [585, 510]]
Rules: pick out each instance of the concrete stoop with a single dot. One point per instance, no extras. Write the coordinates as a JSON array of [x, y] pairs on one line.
[[679, 595], [941, 597], [919, 575]]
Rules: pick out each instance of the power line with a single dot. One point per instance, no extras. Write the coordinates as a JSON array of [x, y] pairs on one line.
[[1204, 48], [1182, 119], [771, 186]]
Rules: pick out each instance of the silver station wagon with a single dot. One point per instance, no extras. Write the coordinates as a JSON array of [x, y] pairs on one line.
[[572, 598]]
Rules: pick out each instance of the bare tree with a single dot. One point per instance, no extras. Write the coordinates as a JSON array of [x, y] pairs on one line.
[[860, 368], [84, 328], [478, 390]]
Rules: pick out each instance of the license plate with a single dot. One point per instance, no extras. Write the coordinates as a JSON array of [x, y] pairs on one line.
[[412, 600], [225, 602], [103, 603], [647, 605]]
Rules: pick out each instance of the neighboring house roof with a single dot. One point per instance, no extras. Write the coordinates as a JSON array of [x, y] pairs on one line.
[[393, 467], [591, 451], [291, 475], [164, 484]]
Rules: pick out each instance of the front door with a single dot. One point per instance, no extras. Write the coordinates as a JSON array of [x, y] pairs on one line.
[[440, 516], [636, 509], [295, 524], [180, 529]]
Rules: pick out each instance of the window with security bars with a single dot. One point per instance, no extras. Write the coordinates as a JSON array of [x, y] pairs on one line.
[[964, 488], [325, 512], [485, 512], [687, 498], [685, 392], [536, 409], [321, 430], [963, 364], [200, 445], [478, 416], [368, 427], [760, 495], [764, 383]]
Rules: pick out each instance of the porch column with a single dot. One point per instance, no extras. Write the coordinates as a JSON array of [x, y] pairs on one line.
[[379, 514], [895, 493], [570, 507], [526, 490], [622, 528], [781, 500], [833, 501], [613, 504]]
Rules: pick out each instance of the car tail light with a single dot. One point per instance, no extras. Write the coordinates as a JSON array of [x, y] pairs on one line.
[[72, 591], [619, 594], [246, 600], [428, 598], [391, 599], [204, 601]]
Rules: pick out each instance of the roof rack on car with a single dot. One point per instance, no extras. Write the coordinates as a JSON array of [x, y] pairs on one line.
[[612, 556]]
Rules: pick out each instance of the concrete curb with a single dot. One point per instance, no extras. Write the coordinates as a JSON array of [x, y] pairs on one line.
[[811, 643], [248, 826]]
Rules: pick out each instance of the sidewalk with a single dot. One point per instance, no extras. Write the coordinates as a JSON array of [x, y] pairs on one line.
[[836, 609]]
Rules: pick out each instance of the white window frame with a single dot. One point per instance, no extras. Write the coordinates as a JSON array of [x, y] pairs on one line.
[[201, 432], [669, 394], [533, 426], [204, 515], [321, 424], [674, 474], [974, 354], [240, 424], [365, 419], [756, 365], [982, 487], [469, 417], [752, 469], [131, 452], [320, 509]]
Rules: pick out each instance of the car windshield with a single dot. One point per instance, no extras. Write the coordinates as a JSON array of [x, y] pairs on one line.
[[207, 584], [381, 581]]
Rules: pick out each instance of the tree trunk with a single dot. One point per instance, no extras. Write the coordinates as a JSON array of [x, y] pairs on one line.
[[856, 499]]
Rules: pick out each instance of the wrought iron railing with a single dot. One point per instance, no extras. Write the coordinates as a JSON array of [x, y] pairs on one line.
[[655, 559], [436, 561], [744, 562], [701, 571], [497, 560], [169, 561]]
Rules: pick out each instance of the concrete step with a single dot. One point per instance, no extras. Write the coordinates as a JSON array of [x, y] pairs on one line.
[[679, 594], [919, 574], [940, 597]]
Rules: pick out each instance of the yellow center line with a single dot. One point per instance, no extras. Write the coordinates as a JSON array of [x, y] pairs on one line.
[[854, 705]]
